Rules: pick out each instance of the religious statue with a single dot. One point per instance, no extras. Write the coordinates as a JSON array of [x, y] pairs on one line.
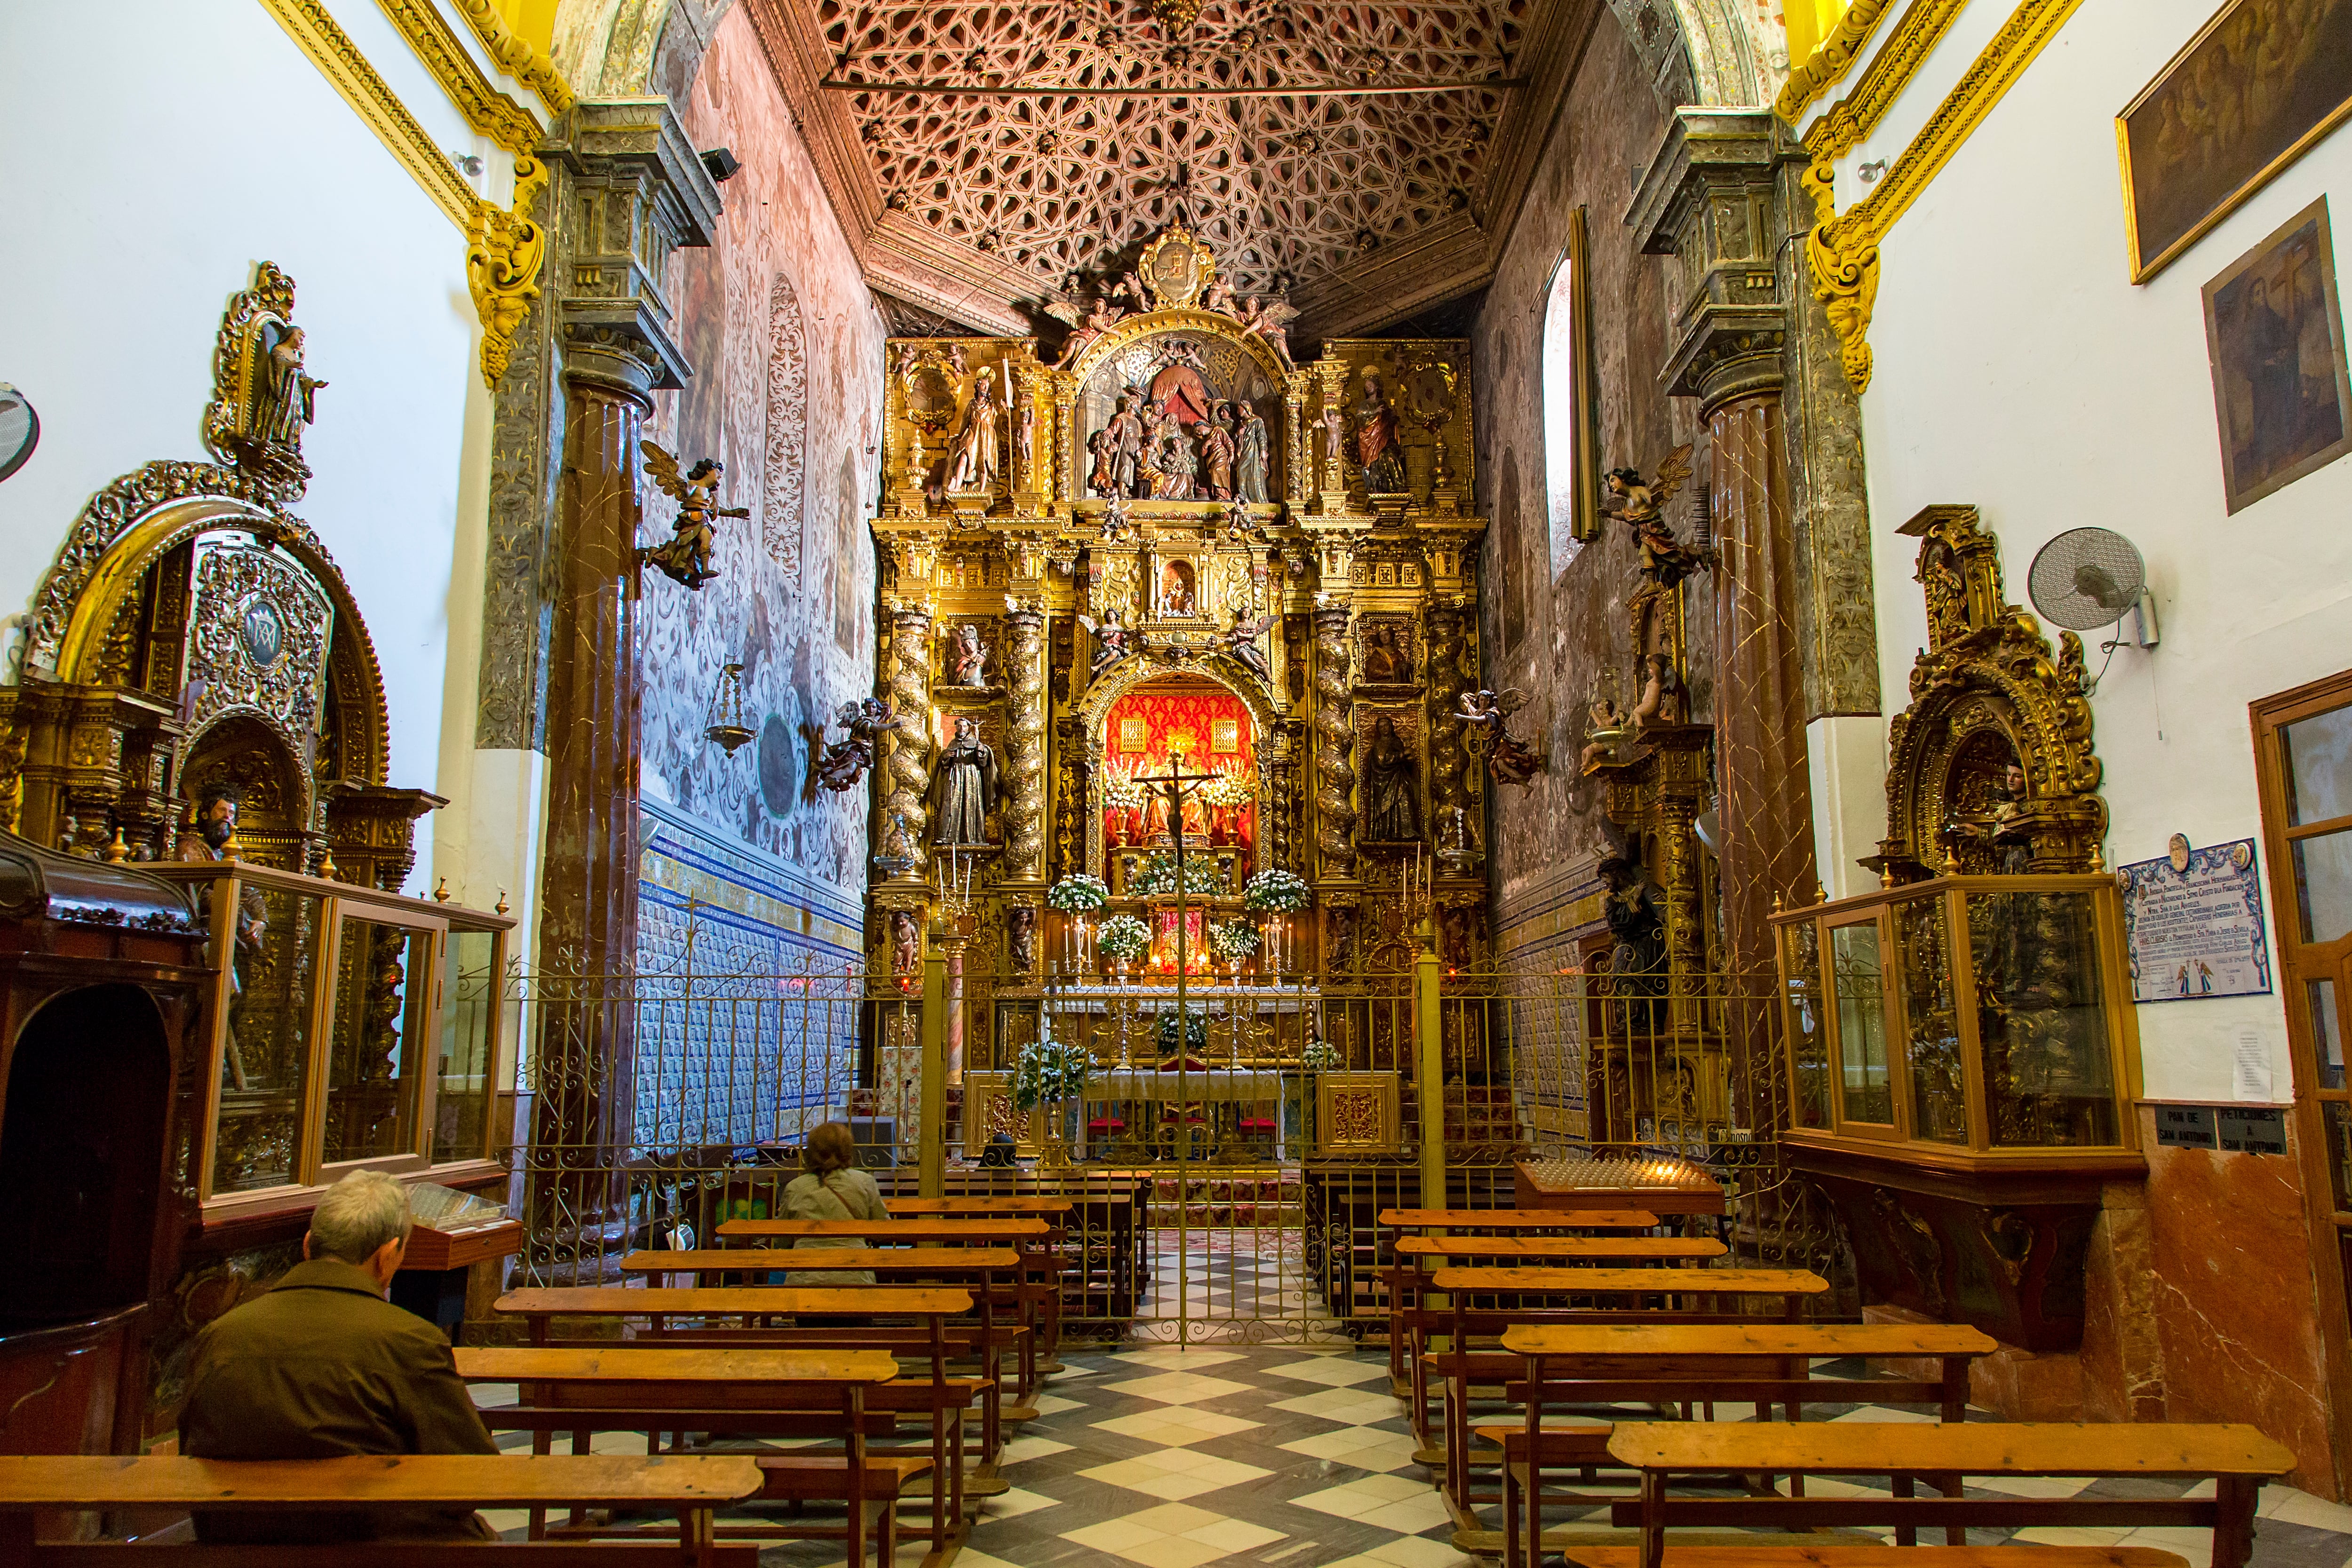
[[963, 787], [285, 396], [1176, 589], [1637, 960], [1113, 641], [1340, 941], [2003, 827], [1601, 739], [1377, 451], [1025, 443], [1391, 783], [1127, 435], [210, 834], [1102, 476], [211, 827], [1486, 715], [1269, 319], [968, 658], [1640, 505], [1176, 463], [843, 763], [1662, 698], [972, 460], [1250, 457], [1240, 641], [1021, 938], [906, 949], [1216, 445], [1098, 318], [686, 559], [1386, 655], [1335, 432]]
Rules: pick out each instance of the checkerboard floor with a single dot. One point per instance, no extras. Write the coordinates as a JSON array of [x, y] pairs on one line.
[[1157, 1456]]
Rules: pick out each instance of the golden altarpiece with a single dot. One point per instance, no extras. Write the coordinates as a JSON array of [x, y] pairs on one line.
[[1961, 1048], [200, 700], [1175, 545]]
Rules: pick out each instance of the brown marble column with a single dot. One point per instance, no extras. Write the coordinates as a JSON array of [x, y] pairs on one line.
[[584, 1106]]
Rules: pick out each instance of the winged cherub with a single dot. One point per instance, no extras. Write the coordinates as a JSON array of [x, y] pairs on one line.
[[1270, 319], [1640, 504], [1509, 760], [845, 762], [1084, 326], [686, 557]]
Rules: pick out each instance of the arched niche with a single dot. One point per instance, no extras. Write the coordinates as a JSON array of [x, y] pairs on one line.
[[205, 627], [1236, 367], [1269, 747]]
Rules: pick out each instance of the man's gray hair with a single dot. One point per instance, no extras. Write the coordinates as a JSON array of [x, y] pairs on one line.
[[358, 1214]]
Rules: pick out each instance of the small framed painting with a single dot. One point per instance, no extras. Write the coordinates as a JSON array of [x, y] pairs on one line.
[[2274, 334], [1135, 733], [2257, 88], [1225, 737]]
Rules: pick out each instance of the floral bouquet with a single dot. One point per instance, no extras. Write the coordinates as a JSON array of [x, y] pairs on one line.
[[1229, 789], [1202, 879], [1124, 938], [1048, 1071], [1277, 889], [1196, 1034], [1078, 895], [1320, 1056], [1234, 942]]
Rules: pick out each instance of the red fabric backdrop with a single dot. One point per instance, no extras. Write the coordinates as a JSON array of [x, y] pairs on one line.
[[1173, 713]]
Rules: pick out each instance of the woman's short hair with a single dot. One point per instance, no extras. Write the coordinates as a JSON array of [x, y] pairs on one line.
[[830, 1147], [358, 1215]]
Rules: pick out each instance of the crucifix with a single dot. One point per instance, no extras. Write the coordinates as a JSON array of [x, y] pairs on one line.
[[1179, 784]]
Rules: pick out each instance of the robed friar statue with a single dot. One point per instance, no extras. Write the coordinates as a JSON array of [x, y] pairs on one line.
[[963, 787]]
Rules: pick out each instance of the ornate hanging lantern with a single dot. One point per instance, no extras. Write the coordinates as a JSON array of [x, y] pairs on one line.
[[726, 724]]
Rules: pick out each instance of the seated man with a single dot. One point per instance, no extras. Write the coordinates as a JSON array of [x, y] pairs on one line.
[[323, 1365]]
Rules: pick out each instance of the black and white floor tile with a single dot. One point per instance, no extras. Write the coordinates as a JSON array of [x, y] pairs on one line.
[[1279, 1456]]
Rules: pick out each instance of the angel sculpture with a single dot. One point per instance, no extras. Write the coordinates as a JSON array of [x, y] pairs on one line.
[[1218, 296], [1240, 641], [1113, 640], [686, 559], [1132, 289], [1487, 713], [1607, 729], [1085, 328], [1270, 319], [1641, 506], [845, 762]]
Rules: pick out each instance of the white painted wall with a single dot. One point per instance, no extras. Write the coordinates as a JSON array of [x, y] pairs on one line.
[[143, 174], [2020, 370]]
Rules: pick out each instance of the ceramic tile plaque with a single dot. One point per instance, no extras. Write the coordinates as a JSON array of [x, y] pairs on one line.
[[2193, 925]]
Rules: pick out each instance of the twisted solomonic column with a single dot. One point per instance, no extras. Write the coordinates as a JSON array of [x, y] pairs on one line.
[[907, 771], [1335, 778], [1024, 747], [1447, 788]]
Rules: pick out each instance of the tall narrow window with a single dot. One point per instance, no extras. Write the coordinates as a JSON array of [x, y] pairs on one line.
[[1570, 492]]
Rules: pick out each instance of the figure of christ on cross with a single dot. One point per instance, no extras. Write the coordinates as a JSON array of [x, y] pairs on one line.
[[1179, 784]]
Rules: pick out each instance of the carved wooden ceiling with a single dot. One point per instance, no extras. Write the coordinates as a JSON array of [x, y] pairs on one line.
[[1363, 206]]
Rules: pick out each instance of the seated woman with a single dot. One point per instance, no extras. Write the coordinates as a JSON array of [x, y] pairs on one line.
[[832, 1186]]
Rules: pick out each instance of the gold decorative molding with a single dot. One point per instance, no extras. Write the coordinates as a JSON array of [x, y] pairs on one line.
[[1831, 59], [514, 57], [486, 108], [315, 33], [502, 267], [1883, 79], [1844, 248]]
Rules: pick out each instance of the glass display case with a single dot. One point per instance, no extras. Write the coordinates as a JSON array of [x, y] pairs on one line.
[[346, 1028], [1982, 1017]]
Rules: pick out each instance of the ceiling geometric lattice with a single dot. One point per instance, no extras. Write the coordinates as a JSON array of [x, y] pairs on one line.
[[1285, 190]]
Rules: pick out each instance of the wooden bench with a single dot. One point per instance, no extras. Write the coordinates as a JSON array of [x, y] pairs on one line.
[[1045, 1263], [690, 1487], [1760, 1364], [1460, 1365], [2238, 1459], [1395, 1223], [765, 1394]]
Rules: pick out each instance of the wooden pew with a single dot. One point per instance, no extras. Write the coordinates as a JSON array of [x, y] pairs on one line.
[[1395, 1223], [1045, 1262], [976, 1268], [727, 1393], [1760, 1364], [690, 1487], [2238, 1459], [1461, 1366]]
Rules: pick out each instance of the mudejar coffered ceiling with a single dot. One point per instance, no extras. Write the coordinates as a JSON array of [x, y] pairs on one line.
[[1352, 154]]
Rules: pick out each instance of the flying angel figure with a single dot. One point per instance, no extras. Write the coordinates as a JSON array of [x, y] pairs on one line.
[[1084, 326], [845, 762], [1509, 760], [1240, 640], [686, 559], [1113, 640], [1270, 319]]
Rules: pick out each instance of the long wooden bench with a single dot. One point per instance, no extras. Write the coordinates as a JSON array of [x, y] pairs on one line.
[[2238, 1459], [1395, 1223], [1044, 1264], [1762, 1365], [690, 1487], [768, 1393]]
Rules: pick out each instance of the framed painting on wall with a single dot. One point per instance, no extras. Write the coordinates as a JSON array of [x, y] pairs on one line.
[[2274, 334], [2256, 88]]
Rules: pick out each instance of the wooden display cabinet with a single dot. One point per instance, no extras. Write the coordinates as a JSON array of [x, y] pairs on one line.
[[1962, 1065]]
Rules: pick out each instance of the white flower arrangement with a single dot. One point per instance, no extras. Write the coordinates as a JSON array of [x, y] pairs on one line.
[[1048, 1071], [1123, 937], [1277, 889], [1078, 894], [1202, 879], [1320, 1056], [1234, 942]]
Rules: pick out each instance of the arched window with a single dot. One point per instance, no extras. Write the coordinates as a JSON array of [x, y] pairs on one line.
[[1570, 501]]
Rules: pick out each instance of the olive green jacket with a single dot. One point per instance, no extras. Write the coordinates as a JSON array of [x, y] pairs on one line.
[[323, 1365]]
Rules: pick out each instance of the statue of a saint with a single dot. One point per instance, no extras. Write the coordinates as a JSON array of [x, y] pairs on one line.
[[284, 399], [1176, 463], [1391, 788], [1637, 963], [968, 658], [2003, 828], [1127, 444], [1021, 938], [1025, 443], [1376, 439], [1386, 655], [1249, 457], [1102, 477], [963, 787], [1216, 459], [209, 834], [973, 460]]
